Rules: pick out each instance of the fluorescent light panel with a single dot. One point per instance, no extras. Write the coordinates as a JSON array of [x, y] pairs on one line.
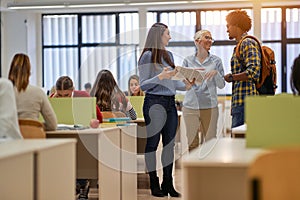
[[95, 5], [157, 3], [24, 7], [19, 6]]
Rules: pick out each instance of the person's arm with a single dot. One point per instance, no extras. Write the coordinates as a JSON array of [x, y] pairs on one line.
[[9, 126], [219, 76], [130, 112], [236, 77], [150, 77], [99, 114]]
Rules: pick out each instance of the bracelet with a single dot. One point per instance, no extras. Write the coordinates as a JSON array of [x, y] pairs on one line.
[[230, 78]]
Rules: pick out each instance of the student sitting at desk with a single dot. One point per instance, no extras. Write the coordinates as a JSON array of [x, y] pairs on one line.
[[64, 88], [134, 88], [108, 95], [31, 100], [9, 127]]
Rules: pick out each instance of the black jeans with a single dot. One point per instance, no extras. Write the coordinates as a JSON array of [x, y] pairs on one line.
[[161, 118]]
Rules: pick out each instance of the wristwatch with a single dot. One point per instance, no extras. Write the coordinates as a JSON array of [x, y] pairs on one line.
[[230, 78]]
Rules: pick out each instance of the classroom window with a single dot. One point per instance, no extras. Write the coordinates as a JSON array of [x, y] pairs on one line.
[[98, 28], [102, 44], [111, 41]]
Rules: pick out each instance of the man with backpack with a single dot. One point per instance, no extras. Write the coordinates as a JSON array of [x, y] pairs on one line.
[[246, 73]]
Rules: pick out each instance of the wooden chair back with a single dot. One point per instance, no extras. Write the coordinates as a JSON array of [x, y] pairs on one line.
[[275, 175], [31, 128]]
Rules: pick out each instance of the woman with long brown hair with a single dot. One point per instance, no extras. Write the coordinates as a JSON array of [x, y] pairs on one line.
[[31, 100], [109, 96], [156, 68]]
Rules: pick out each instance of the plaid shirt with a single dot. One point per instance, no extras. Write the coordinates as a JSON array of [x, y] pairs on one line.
[[251, 57]]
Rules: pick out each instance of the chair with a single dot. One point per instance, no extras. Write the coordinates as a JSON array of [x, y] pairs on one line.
[[31, 129], [109, 114], [275, 175]]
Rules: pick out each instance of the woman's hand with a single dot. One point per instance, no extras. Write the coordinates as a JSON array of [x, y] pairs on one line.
[[189, 84], [209, 75], [167, 73]]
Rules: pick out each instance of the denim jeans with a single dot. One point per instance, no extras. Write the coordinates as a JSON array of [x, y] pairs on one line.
[[238, 116], [161, 119]]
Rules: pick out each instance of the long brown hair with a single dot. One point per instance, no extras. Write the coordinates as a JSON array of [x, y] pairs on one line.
[[154, 44], [107, 92], [19, 71]]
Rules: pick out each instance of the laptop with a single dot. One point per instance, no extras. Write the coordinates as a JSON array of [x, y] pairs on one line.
[[76, 111], [137, 103]]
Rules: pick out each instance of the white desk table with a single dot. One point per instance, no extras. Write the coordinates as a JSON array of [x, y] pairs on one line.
[[218, 170], [37, 169], [109, 155]]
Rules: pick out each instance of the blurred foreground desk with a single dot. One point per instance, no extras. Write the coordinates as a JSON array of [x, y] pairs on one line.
[[218, 170], [37, 169], [109, 155]]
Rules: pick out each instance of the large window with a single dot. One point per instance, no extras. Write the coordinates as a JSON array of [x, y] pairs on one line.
[[104, 42], [293, 40], [110, 41]]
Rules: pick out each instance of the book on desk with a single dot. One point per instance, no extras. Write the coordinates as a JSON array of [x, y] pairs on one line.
[[115, 121]]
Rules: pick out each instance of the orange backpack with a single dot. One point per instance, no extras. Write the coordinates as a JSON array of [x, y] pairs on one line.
[[267, 80]]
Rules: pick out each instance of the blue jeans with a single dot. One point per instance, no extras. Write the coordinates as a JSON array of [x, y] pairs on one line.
[[238, 116], [161, 118]]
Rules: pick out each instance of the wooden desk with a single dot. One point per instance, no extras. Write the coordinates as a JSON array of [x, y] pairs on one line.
[[102, 154], [218, 170], [37, 169]]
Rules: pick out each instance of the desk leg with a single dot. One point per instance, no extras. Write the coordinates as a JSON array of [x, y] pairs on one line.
[[56, 172], [129, 162], [109, 165], [16, 180]]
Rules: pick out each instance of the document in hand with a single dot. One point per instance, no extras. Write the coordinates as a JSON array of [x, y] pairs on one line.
[[190, 74]]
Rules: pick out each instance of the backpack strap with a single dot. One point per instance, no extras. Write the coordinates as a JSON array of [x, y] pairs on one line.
[[237, 49]]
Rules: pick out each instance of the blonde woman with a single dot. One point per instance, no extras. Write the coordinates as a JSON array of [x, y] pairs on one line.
[[200, 105]]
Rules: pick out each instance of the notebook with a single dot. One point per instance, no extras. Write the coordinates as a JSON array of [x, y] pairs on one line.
[[74, 111]]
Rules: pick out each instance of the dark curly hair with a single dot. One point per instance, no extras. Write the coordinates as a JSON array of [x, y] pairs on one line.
[[239, 18]]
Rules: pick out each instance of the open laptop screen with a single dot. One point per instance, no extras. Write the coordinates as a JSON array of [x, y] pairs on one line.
[[74, 111]]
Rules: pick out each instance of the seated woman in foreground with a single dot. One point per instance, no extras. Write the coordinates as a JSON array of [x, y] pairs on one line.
[[31, 100]]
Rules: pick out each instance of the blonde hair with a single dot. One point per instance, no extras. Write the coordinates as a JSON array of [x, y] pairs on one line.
[[199, 34]]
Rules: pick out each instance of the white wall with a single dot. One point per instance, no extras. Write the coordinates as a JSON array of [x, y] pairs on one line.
[[21, 34]]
